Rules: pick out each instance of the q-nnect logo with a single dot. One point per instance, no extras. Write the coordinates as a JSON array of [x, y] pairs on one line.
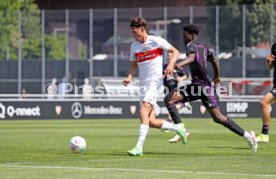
[[12, 111]]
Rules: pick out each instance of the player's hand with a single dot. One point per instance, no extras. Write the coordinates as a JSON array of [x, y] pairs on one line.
[[217, 81], [177, 67], [270, 58], [125, 82], [168, 71]]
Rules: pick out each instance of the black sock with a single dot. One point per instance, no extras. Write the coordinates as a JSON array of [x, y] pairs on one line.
[[230, 124], [265, 129], [174, 114]]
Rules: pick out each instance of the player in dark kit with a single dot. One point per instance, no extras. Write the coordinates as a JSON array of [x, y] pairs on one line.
[[201, 86], [171, 82], [268, 98]]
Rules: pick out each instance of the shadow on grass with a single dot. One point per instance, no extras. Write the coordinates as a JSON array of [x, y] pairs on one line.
[[228, 147]]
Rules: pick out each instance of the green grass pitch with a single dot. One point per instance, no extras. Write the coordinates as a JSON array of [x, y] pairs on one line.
[[39, 149]]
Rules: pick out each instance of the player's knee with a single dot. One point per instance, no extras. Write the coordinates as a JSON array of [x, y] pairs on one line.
[[145, 107], [167, 100], [216, 120], [220, 119], [263, 103], [170, 99]]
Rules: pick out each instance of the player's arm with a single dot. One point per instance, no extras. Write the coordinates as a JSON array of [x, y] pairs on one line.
[[215, 67], [170, 67], [269, 61], [132, 69], [190, 58]]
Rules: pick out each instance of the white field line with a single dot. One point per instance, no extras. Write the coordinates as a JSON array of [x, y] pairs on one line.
[[136, 170]]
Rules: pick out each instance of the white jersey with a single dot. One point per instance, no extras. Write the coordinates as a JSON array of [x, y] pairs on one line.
[[149, 57]]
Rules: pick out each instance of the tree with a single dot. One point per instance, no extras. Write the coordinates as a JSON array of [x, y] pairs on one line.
[[55, 46], [258, 22], [8, 28], [30, 36]]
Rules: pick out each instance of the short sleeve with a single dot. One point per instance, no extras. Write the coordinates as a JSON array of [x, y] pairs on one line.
[[164, 44], [131, 55], [190, 49]]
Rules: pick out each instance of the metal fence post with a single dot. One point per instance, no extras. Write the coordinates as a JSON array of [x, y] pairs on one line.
[[165, 24], [217, 31], [115, 48], [243, 46], [67, 72], [140, 12], [243, 41], [191, 14], [19, 82], [91, 53], [271, 24], [42, 50]]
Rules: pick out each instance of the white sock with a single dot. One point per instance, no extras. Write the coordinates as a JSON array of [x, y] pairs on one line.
[[142, 134], [247, 135], [169, 126]]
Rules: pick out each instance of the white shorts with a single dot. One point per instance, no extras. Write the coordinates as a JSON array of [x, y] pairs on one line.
[[149, 92]]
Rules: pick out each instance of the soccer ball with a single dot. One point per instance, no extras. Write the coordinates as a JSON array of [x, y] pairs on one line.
[[77, 144]]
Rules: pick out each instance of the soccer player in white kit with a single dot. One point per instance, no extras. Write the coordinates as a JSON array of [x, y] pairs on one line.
[[146, 54]]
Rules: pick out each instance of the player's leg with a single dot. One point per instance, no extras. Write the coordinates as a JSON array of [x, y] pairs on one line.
[[145, 109], [171, 100], [211, 101], [265, 105], [177, 138], [169, 119], [162, 124], [218, 117]]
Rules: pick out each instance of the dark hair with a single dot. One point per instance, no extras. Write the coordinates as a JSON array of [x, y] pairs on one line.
[[273, 49], [191, 28], [138, 22]]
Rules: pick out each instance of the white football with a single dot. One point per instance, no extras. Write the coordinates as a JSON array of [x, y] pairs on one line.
[[77, 144]]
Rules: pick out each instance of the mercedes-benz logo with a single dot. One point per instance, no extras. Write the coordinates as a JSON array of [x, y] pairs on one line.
[[76, 110]]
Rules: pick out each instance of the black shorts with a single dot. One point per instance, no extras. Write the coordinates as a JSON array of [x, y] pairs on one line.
[[273, 91], [170, 84], [207, 94]]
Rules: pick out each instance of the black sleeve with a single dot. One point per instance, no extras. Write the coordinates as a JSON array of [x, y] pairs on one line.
[[190, 49]]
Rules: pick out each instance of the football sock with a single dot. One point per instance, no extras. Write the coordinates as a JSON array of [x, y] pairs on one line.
[[265, 129], [169, 126], [142, 134], [174, 114], [230, 124]]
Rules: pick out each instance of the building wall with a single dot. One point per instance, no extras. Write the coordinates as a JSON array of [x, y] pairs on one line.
[[86, 4]]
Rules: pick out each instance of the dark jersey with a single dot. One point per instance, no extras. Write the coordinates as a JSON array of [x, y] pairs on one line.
[[198, 67], [170, 81]]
